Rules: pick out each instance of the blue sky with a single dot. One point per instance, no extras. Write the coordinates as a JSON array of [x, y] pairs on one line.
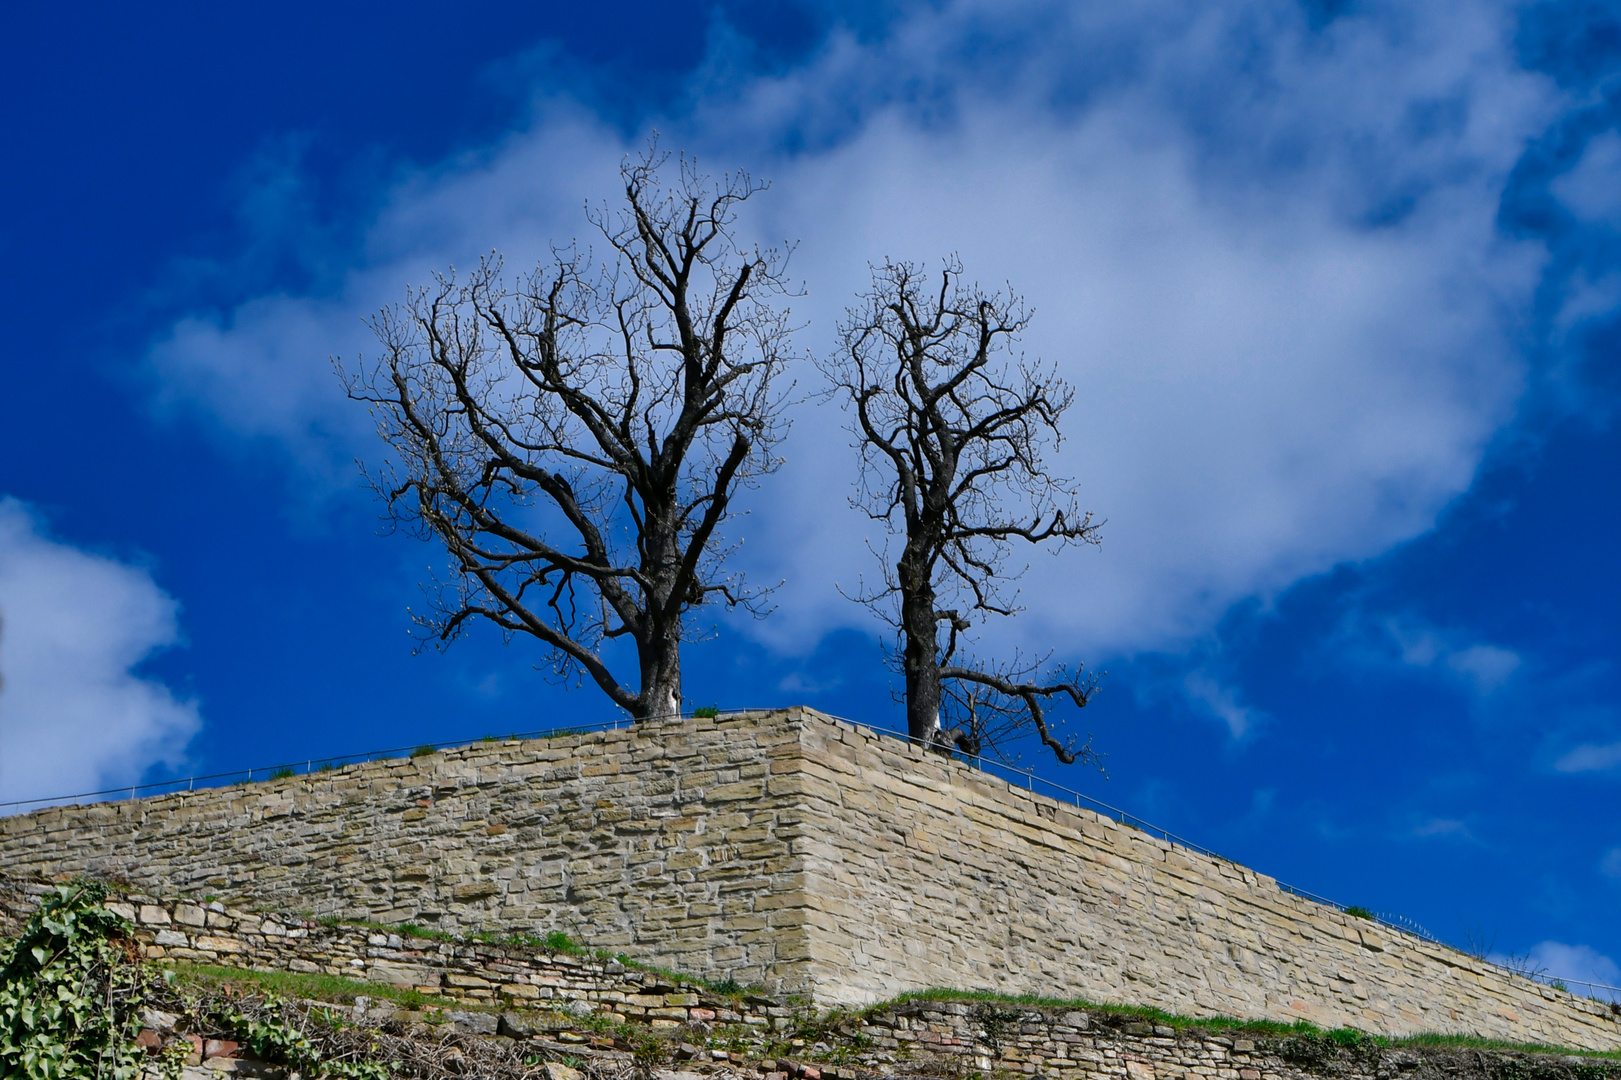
[[1337, 285]]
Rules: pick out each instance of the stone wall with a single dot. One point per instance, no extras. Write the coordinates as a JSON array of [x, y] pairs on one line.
[[965, 1039], [556, 1001], [923, 873], [804, 854], [502, 974], [657, 840]]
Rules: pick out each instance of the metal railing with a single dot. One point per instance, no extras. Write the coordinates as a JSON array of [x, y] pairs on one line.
[[1400, 923], [1014, 775], [309, 766]]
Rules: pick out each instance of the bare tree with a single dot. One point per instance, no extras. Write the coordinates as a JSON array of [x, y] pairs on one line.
[[575, 439], [951, 435]]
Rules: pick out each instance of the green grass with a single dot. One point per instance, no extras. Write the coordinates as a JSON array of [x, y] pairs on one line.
[[1147, 1013], [555, 942], [423, 751], [332, 988], [1474, 1042], [1343, 1036], [410, 930], [727, 987], [1357, 912]]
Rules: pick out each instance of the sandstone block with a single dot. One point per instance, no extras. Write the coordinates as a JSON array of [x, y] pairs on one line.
[[465, 982], [219, 944]]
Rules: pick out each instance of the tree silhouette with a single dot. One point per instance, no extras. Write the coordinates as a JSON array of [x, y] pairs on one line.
[[574, 440], [950, 433]]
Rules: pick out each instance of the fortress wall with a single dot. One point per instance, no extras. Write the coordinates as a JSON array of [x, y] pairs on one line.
[[923, 872], [506, 974], [660, 841], [802, 853]]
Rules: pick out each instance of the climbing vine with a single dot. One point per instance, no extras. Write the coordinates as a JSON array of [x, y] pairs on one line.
[[68, 990]]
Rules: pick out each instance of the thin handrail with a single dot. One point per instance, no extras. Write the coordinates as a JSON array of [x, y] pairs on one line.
[[311, 763], [1399, 923]]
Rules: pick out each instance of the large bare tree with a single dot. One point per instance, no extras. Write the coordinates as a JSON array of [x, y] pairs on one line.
[[574, 439], [951, 430]]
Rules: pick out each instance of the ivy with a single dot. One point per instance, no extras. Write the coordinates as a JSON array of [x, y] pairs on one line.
[[67, 992], [71, 992]]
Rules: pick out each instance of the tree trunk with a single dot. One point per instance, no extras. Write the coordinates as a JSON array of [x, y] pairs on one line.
[[661, 681], [920, 655], [659, 645]]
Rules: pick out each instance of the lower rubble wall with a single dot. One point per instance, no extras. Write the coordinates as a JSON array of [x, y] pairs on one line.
[[966, 1039], [471, 972], [933, 1039]]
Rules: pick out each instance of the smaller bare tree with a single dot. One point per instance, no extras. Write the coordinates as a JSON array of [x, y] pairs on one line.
[[951, 436], [575, 439]]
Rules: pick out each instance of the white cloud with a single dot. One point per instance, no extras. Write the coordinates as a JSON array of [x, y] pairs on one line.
[[1220, 701], [1271, 272], [1480, 667], [74, 715], [1589, 297], [1487, 667], [1590, 757], [1589, 188], [1576, 963], [1610, 865], [1444, 828]]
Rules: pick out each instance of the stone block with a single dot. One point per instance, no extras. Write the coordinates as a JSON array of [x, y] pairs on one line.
[[219, 944]]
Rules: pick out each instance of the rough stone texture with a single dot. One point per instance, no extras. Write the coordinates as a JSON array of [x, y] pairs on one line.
[[508, 974], [923, 873], [656, 840], [805, 854], [969, 1038]]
